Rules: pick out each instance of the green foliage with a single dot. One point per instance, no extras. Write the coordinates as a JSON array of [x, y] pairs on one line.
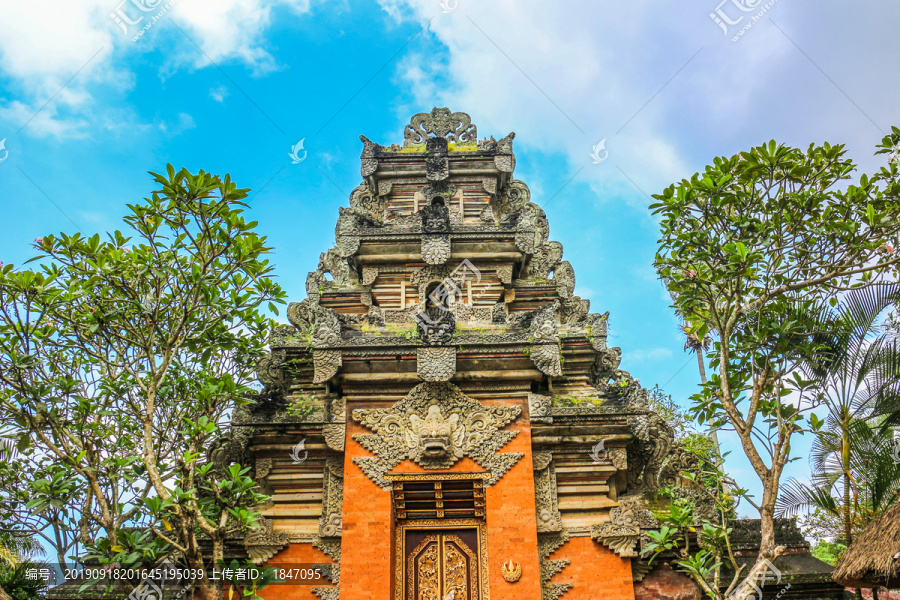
[[750, 250], [120, 358], [828, 552], [857, 380], [15, 582]]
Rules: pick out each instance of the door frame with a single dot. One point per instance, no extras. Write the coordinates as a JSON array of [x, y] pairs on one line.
[[438, 525]]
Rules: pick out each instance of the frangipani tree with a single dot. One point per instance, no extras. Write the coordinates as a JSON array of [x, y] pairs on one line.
[[749, 250]]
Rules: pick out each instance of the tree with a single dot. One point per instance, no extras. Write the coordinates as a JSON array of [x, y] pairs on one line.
[[854, 474], [120, 359], [748, 250]]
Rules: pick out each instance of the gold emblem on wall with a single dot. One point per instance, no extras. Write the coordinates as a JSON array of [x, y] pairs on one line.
[[511, 571]]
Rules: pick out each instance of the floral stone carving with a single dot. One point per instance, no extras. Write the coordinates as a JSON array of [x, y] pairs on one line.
[[436, 363], [435, 425], [456, 127], [544, 337], [545, 499], [621, 533]]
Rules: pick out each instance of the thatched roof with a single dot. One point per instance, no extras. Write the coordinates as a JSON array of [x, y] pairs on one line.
[[873, 559]]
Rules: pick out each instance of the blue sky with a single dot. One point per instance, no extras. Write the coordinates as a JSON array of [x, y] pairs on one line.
[[231, 86]]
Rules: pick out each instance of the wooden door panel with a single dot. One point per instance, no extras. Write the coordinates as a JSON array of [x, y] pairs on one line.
[[441, 565]]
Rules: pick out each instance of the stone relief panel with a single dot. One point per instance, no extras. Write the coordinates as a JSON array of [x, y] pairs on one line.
[[436, 425]]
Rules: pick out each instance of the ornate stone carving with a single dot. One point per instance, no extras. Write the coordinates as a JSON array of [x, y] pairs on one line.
[[326, 363], [539, 408], [437, 164], [564, 276], [544, 338], [621, 533], [435, 248], [269, 368], [436, 326], [263, 466], [639, 570], [456, 127], [368, 158], [545, 499], [367, 204], [369, 274], [334, 434], [263, 543], [505, 160], [435, 425], [332, 497], [436, 363], [544, 260], [320, 324], [338, 266], [547, 545], [596, 330]]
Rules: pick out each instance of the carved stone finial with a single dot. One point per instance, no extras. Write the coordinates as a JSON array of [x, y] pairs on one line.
[[456, 127]]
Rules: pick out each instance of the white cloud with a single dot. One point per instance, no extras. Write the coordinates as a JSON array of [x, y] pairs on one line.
[[219, 93], [61, 51], [182, 123]]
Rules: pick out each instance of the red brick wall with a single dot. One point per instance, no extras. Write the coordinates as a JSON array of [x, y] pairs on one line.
[[596, 572], [295, 554], [366, 546]]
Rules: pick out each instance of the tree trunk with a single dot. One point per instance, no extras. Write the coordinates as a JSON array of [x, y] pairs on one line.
[[4, 595]]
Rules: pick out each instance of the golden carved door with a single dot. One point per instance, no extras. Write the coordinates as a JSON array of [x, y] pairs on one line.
[[441, 565]]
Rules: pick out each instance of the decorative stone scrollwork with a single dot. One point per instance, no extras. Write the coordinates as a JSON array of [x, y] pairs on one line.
[[544, 261], [548, 543], [263, 467], [489, 184], [539, 408], [544, 339], [269, 368], [435, 425], [338, 266], [334, 434], [327, 363], [437, 164], [319, 323], [505, 160], [369, 274], [332, 497], [654, 441], [435, 248], [564, 276], [436, 363], [515, 197], [623, 530], [367, 204], [595, 329], [263, 543], [545, 499], [368, 158], [456, 127]]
